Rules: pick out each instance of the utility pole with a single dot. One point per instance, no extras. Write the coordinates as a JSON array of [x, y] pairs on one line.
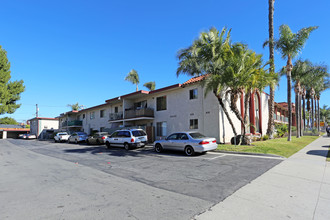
[[37, 110]]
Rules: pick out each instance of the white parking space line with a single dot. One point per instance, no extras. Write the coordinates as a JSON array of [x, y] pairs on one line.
[[246, 155], [216, 157]]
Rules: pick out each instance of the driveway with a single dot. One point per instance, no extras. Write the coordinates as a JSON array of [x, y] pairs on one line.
[[146, 185]]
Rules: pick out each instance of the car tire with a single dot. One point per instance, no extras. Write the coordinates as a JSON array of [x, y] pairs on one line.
[[55, 141], [189, 151], [126, 146], [108, 144], [97, 142], [76, 141], [158, 148], [87, 142]]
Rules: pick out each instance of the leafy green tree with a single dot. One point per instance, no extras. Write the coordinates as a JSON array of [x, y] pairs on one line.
[[8, 121], [133, 77], [150, 85], [75, 107], [10, 92], [289, 45]]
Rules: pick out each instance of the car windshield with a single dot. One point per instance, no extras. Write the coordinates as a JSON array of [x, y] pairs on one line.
[[196, 135], [81, 133], [138, 133], [62, 133]]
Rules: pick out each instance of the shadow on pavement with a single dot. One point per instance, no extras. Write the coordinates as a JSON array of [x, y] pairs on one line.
[[322, 153]]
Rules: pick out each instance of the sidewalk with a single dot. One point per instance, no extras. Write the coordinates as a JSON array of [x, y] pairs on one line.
[[297, 188]]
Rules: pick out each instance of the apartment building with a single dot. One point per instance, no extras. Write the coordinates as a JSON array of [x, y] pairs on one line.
[[180, 107]]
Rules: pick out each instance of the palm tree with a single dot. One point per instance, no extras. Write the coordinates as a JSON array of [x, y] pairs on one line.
[[325, 114], [301, 72], [290, 44], [133, 77], [150, 85], [75, 107], [206, 57], [270, 127]]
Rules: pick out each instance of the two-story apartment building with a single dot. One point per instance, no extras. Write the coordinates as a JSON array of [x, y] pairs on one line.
[[180, 107]]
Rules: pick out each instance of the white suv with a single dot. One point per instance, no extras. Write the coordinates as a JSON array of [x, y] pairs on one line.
[[127, 138]]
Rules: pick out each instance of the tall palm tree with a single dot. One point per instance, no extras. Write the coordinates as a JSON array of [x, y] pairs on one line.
[[150, 85], [206, 57], [270, 127], [290, 44], [133, 77]]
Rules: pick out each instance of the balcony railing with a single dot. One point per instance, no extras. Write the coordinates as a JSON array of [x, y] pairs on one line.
[[143, 112], [115, 116], [74, 123]]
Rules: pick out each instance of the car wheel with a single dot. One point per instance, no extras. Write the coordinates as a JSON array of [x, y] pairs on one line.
[[189, 151], [158, 148], [108, 144], [97, 142], [126, 146], [87, 142], [76, 141], [55, 141]]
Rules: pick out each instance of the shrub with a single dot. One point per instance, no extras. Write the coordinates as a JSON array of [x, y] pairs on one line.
[[265, 137], [293, 128], [281, 129]]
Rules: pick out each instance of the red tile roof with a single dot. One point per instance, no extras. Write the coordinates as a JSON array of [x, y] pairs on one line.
[[195, 80]]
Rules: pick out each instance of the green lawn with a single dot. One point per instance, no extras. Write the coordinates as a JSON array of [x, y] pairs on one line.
[[279, 146]]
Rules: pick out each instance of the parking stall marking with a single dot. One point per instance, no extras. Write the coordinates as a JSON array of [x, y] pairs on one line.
[[247, 155]]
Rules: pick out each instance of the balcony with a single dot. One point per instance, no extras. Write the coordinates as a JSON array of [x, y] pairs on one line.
[[142, 112], [115, 116], [75, 123]]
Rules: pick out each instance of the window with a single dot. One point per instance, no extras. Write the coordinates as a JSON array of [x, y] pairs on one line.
[[83, 116], [116, 109], [92, 116], [101, 113], [193, 94], [193, 124], [78, 117], [161, 103], [161, 128], [183, 137], [139, 105], [173, 137]]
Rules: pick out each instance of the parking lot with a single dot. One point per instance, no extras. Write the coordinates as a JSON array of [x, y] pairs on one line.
[[209, 177]]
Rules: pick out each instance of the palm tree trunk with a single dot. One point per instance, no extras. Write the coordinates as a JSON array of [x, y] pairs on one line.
[[297, 115], [222, 104], [233, 107], [289, 69], [270, 127], [301, 117], [312, 113], [309, 112], [246, 107], [315, 114], [318, 114], [304, 113]]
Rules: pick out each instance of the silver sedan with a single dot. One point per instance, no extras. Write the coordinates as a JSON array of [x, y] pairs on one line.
[[189, 142]]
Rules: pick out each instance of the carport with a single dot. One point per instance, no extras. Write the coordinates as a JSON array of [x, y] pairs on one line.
[[12, 131]]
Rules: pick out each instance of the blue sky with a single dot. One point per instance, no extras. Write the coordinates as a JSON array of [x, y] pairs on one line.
[[80, 51]]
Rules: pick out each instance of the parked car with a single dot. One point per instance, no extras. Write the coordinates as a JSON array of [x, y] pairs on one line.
[[127, 138], [30, 136], [189, 142], [77, 137], [97, 138], [61, 136]]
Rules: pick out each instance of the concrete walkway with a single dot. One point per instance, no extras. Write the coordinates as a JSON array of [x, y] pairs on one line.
[[297, 188]]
